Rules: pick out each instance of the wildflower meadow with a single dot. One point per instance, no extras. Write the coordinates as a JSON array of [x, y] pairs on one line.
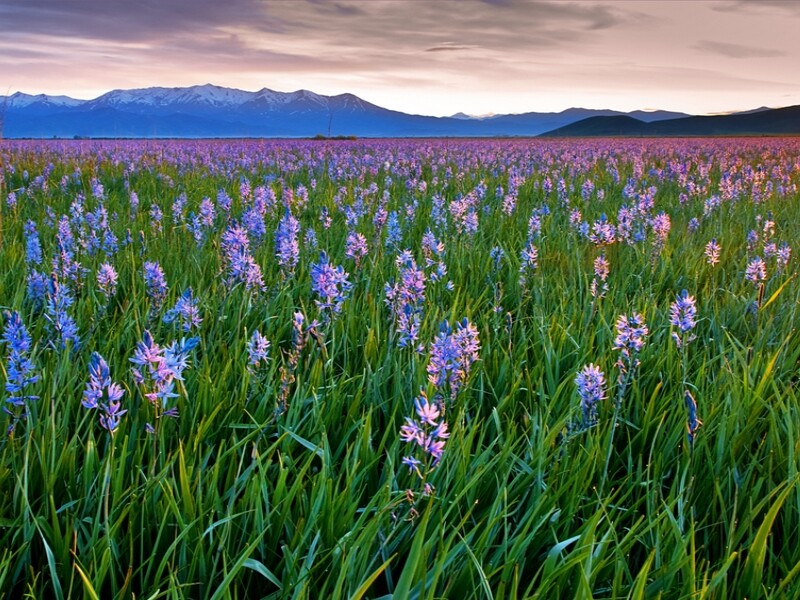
[[381, 369]]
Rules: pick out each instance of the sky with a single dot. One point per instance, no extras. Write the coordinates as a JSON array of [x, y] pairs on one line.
[[432, 57]]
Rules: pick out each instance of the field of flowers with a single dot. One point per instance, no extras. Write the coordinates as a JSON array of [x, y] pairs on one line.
[[408, 369]]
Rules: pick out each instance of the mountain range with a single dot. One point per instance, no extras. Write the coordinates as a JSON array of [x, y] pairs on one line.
[[211, 111]]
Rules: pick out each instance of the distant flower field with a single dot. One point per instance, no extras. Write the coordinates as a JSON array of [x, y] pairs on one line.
[[408, 369]]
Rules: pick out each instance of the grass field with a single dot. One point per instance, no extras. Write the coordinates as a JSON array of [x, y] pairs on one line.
[[408, 369]]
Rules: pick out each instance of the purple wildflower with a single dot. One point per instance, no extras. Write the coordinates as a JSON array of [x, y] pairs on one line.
[[599, 286], [356, 247], [20, 370], [591, 383], [451, 356], [158, 368], [287, 249], [603, 233], [257, 349], [406, 299], [33, 248], [155, 283], [682, 316], [712, 252], [330, 284], [428, 434], [692, 422], [107, 280], [103, 394], [528, 258], [756, 271], [58, 301], [185, 311], [783, 255]]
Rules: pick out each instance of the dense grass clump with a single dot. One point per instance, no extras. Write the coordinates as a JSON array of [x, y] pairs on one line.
[[373, 369]]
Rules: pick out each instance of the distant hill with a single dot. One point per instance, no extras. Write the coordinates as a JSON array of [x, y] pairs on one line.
[[212, 111], [774, 121]]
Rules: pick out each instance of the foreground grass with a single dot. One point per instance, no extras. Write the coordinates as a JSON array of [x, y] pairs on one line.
[[238, 498]]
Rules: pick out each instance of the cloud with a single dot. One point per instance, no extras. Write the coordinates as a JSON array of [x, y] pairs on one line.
[[785, 6], [736, 50], [449, 47]]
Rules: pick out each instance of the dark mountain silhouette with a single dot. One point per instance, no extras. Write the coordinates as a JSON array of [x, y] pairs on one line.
[[776, 121]]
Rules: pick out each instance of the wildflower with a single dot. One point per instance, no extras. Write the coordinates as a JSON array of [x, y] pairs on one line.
[[631, 333], [406, 299], [287, 248], [497, 254], [58, 300], [599, 285], [591, 382], [783, 255], [155, 283], [427, 432], [356, 247], [528, 258], [107, 280], [158, 368], [683, 314], [156, 217], [331, 284], [692, 422], [21, 371], [394, 234], [451, 356], [257, 349], [101, 393], [712, 252], [661, 225], [33, 248], [756, 271], [603, 232], [185, 311], [38, 284]]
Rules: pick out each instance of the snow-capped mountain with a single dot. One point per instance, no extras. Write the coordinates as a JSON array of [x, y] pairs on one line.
[[214, 111]]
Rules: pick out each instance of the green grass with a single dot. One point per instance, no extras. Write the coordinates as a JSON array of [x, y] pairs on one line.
[[236, 499]]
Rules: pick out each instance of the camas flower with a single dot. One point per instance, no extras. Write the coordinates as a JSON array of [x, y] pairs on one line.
[[257, 349], [683, 315], [712, 252], [452, 354], [103, 394], [155, 283], [330, 284], [591, 383], [20, 370], [185, 311], [356, 247], [599, 285], [426, 432], [287, 249], [158, 368], [107, 280], [756, 271]]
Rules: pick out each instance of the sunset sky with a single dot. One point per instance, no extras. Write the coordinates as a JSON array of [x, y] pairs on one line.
[[434, 57]]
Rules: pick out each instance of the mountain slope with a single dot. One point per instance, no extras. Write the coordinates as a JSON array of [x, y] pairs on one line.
[[214, 111], [777, 121]]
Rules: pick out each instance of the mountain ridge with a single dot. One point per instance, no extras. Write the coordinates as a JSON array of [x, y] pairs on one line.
[[775, 121], [214, 111]]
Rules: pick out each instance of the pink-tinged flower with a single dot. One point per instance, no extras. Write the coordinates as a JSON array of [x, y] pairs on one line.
[[428, 413], [756, 271], [712, 252]]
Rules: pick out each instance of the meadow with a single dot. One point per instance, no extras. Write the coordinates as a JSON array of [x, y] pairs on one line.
[[400, 369]]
